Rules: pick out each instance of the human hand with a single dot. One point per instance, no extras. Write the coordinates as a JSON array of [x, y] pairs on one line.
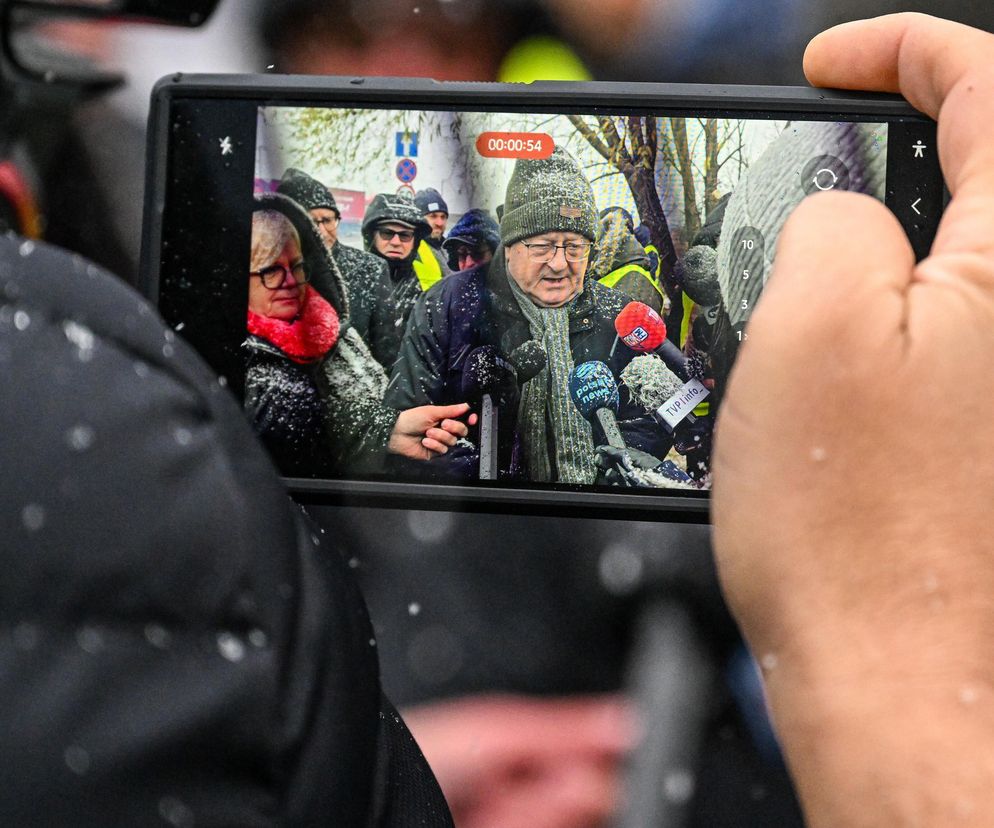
[[854, 546], [522, 762], [422, 432]]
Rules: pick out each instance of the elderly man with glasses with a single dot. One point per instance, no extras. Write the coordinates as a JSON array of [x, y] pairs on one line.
[[536, 287]]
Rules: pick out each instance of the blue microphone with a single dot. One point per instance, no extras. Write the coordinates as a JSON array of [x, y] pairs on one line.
[[595, 394]]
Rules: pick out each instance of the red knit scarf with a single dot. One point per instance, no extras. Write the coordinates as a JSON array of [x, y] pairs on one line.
[[308, 337]]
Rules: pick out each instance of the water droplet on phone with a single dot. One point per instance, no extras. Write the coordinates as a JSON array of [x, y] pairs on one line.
[[176, 812], [90, 640], [77, 759], [231, 647], [80, 437], [33, 517]]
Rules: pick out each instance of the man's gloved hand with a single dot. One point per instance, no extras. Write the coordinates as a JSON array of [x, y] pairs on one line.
[[461, 462], [634, 468]]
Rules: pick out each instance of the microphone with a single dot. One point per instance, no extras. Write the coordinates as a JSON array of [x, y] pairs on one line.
[[643, 330], [653, 385], [698, 272], [640, 327], [486, 377], [595, 394], [528, 360]]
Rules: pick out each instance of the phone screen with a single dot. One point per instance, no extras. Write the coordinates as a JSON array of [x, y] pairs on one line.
[[582, 280]]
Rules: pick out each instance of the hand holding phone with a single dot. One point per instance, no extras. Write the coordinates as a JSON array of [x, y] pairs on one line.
[[853, 480]]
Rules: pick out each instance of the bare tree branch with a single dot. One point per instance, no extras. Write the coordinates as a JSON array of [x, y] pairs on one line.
[[592, 138]]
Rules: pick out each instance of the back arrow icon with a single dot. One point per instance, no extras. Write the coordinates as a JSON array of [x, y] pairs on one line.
[[914, 206]]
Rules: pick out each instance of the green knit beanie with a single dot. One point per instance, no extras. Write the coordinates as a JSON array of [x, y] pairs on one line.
[[551, 195]]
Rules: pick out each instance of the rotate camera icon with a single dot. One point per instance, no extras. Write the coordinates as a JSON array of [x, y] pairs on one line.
[[824, 173]]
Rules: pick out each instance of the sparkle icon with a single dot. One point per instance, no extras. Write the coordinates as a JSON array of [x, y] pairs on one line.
[[226, 148], [919, 149]]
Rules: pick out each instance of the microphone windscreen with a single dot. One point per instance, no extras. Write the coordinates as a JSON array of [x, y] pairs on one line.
[[651, 383], [528, 359], [700, 275], [640, 327], [481, 373], [592, 386]]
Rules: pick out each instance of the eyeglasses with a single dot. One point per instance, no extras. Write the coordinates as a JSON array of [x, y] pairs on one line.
[[387, 235], [546, 251], [476, 253], [275, 276], [332, 220]]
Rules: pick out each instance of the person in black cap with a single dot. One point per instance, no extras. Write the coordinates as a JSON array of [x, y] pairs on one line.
[[394, 229], [365, 275], [472, 241], [436, 213]]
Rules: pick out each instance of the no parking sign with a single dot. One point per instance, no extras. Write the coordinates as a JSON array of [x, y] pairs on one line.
[[407, 170]]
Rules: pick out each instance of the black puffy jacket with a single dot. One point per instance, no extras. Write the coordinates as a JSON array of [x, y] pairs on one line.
[[177, 646]]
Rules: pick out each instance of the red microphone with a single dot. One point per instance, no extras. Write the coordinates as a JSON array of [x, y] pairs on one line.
[[644, 331], [640, 327]]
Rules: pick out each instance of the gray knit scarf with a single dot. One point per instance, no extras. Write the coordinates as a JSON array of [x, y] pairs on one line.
[[574, 443]]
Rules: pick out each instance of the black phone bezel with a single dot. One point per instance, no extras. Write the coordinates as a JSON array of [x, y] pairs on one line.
[[412, 93]]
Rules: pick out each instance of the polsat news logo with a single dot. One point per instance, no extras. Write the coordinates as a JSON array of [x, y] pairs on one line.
[[637, 336]]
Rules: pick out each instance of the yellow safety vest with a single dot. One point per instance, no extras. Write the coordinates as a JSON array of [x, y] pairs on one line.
[[541, 57], [426, 266], [704, 408], [615, 276]]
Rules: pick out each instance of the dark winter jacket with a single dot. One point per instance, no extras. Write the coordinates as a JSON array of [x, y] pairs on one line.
[[367, 281], [476, 308], [324, 417], [409, 277], [178, 647]]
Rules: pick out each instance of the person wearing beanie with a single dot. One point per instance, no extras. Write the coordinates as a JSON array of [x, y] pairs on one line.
[[365, 276], [622, 263], [536, 287], [472, 241], [436, 213], [394, 230], [313, 392]]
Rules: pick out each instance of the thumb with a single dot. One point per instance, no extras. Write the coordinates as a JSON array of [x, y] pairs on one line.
[[828, 331], [446, 412]]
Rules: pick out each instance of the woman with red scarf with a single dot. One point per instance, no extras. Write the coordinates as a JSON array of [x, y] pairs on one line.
[[313, 390]]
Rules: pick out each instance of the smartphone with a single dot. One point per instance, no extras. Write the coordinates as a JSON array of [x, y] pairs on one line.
[[577, 262]]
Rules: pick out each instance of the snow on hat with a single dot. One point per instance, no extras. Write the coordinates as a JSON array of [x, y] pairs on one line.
[[387, 207], [430, 200], [548, 195], [308, 192]]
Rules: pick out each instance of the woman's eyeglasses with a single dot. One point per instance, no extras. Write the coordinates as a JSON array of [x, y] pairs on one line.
[[275, 276]]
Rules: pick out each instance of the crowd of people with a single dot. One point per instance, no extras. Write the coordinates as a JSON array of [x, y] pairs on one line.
[[356, 355]]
